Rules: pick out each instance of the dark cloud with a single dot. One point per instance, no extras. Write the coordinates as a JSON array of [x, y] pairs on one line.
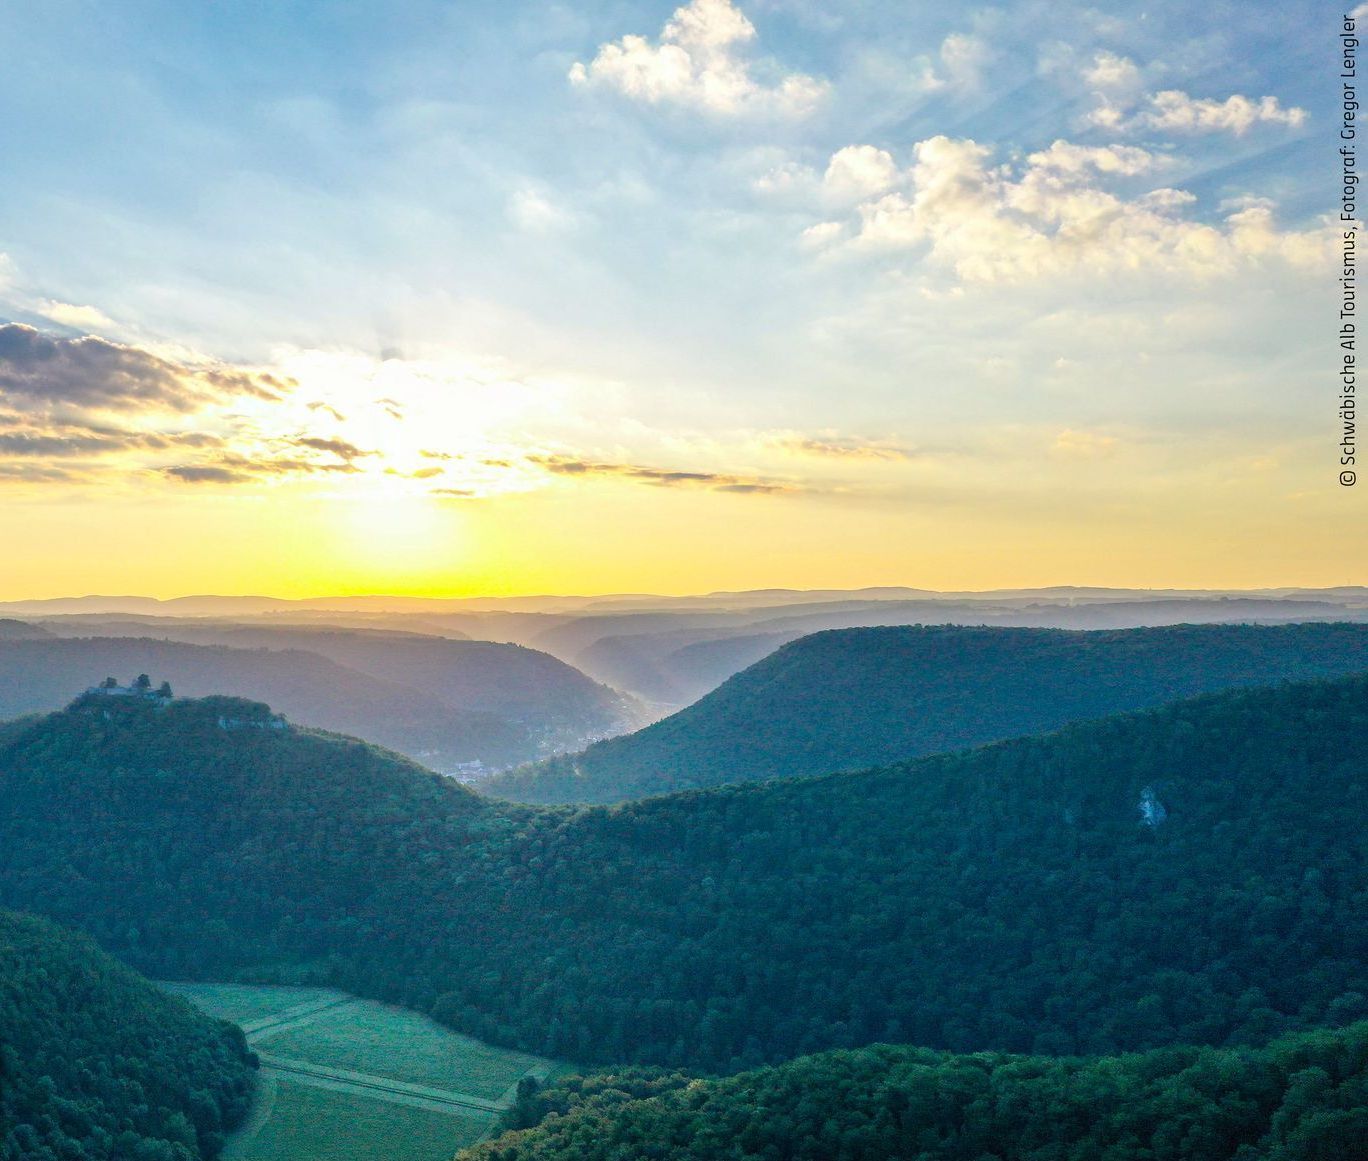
[[338, 447], [393, 408], [456, 493], [663, 477], [233, 468], [206, 474], [65, 440], [93, 372], [436, 455]]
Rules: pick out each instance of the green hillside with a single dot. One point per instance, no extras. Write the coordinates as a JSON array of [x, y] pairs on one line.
[[1302, 1098], [853, 698], [1011, 897], [96, 1063]]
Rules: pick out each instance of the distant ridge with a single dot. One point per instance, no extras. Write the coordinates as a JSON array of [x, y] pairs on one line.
[[846, 699], [221, 605]]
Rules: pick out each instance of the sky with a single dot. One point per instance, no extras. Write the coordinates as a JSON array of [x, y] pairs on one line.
[[488, 298]]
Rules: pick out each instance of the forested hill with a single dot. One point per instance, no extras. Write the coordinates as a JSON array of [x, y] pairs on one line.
[[96, 1063], [317, 691], [852, 698], [1302, 1098], [1189, 874]]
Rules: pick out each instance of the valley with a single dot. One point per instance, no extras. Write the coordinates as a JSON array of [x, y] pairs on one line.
[[343, 1078]]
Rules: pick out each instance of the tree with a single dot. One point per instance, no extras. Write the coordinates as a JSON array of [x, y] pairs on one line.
[[143, 684]]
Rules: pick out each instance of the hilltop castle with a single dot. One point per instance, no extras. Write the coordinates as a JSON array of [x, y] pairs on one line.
[[140, 687]]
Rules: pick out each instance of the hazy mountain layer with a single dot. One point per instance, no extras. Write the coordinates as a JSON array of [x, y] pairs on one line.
[[559, 707], [308, 688]]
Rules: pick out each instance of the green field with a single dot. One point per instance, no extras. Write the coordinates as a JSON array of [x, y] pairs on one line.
[[370, 1037], [344, 1079], [314, 1124], [243, 1003]]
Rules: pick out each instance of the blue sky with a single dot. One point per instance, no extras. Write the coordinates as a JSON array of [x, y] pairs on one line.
[[924, 271]]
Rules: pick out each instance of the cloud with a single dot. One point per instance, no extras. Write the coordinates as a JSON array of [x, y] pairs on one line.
[[1123, 107], [207, 474], [533, 213], [858, 172], [235, 467], [698, 62], [662, 477], [1114, 75], [328, 408], [961, 60], [95, 373], [62, 441], [338, 447], [847, 448], [86, 318], [1053, 214], [1174, 110]]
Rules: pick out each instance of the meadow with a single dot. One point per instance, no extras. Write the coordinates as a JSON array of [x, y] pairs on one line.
[[344, 1079]]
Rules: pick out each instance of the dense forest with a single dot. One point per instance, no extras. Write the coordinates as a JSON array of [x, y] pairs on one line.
[[1188, 874], [853, 698], [96, 1063], [1302, 1098]]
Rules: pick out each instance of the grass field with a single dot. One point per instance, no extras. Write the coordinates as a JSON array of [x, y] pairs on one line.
[[344, 1079], [314, 1124], [370, 1037], [243, 1003]]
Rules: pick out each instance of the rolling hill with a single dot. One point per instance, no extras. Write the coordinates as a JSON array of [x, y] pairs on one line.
[[43, 675], [1189, 874], [559, 706], [97, 1064], [1302, 1098], [862, 697]]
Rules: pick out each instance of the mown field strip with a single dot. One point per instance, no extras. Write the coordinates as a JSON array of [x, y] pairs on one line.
[[297, 1017], [381, 1085], [328, 1089]]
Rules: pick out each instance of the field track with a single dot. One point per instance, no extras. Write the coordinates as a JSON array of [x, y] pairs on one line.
[[384, 1087], [365, 1080]]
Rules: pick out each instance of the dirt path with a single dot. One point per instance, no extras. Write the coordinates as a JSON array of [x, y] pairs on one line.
[[382, 1087]]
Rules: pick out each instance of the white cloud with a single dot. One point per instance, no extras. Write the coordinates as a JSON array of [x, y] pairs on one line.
[[858, 172], [788, 177], [1175, 110], [962, 59], [1110, 73], [822, 234], [533, 212], [1123, 106], [698, 62], [1053, 214], [87, 318]]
